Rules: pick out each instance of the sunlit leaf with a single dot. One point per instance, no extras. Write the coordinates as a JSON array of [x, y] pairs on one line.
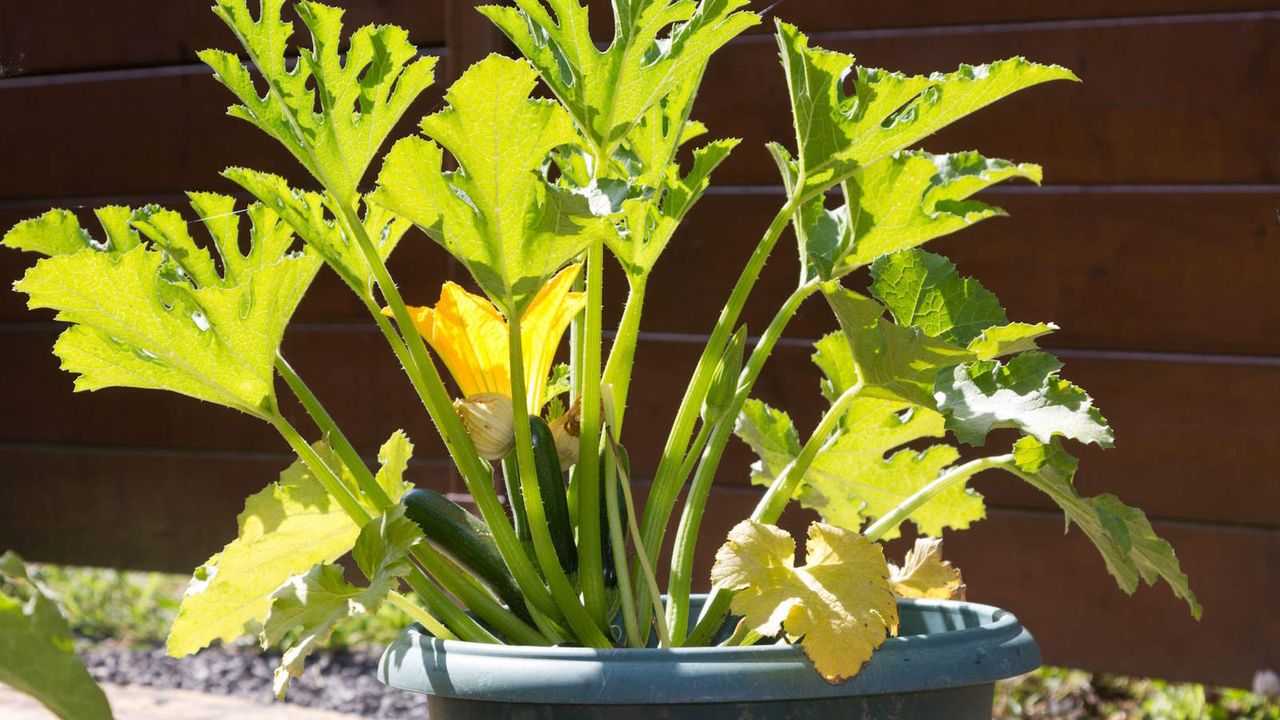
[[657, 45], [158, 313], [838, 132], [924, 574], [284, 530], [838, 605], [306, 608], [1024, 393], [1123, 535], [333, 106]]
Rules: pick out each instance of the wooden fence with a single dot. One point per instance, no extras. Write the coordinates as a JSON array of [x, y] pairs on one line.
[[1153, 243]]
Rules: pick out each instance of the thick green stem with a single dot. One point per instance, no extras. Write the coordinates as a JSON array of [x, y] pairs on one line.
[[957, 475], [618, 546], [346, 451], [476, 474], [587, 470], [579, 621], [666, 485], [475, 597], [330, 480], [459, 623], [420, 616], [770, 507], [622, 356], [681, 576]]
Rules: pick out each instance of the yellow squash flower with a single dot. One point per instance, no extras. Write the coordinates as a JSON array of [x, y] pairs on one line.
[[470, 336]]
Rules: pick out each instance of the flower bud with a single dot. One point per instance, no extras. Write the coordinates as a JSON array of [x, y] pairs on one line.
[[566, 429], [488, 419]]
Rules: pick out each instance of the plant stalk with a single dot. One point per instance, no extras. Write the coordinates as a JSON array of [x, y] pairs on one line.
[[666, 485], [587, 469], [956, 475], [420, 615], [622, 356], [771, 505], [580, 622], [680, 580]]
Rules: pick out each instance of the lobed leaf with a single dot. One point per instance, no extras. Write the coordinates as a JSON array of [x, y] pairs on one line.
[[1123, 535], [657, 46], [307, 607], [924, 574], [839, 605], [839, 132], [157, 313], [284, 530], [333, 107], [898, 202], [1025, 393], [893, 362], [496, 213]]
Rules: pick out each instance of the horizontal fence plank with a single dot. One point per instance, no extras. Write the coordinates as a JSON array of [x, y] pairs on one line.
[[169, 511], [43, 37], [1180, 425], [142, 133], [1106, 266], [1133, 121], [144, 509]]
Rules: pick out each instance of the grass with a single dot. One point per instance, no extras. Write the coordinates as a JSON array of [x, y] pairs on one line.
[[137, 608]]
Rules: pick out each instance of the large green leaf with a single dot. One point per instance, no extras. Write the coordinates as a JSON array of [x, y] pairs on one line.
[[499, 215], [284, 530], [900, 201], [924, 290], [1025, 393], [657, 45], [36, 652], [1123, 535], [868, 468], [893, 362], [838, 132], [159, 314], [305, 610], [334, 106], [312, 217]]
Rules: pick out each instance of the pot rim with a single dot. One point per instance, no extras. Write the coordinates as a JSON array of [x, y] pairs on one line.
[[990, 645]]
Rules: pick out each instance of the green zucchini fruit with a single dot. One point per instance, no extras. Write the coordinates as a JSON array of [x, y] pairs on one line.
[[467, 539], [555, 506]]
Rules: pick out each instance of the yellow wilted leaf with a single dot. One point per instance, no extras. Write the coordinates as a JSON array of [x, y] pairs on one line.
[[839, 605], [924, 574]]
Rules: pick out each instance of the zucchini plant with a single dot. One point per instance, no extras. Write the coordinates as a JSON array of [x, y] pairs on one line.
[[534, 192]]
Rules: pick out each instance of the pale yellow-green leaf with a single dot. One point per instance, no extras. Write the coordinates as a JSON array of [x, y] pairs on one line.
[[838, 605], [314, 602], [283, 531], [924, 574]]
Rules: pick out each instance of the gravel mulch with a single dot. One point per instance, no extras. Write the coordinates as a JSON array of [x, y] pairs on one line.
[[343, 682]]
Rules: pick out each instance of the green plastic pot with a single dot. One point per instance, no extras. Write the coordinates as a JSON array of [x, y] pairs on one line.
[[942, 666]]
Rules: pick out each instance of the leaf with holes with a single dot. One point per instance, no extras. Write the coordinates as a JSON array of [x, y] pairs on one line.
[[333, 106], [157, 313], [657, 45], [837, 132]]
